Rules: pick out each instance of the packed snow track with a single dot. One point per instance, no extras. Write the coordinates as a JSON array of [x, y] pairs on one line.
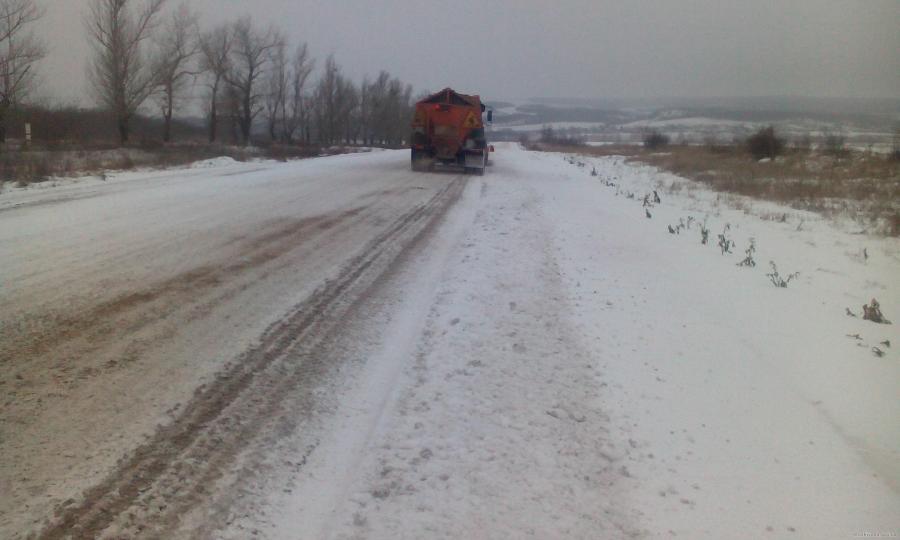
[[119, 300], [343, 348]]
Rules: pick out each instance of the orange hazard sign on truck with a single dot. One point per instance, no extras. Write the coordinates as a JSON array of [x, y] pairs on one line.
[[471, 121]]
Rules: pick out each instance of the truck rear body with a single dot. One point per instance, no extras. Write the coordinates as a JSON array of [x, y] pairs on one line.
[[448, 129]]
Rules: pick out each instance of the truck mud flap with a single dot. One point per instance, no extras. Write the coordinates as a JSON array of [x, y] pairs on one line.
[[475, 161]]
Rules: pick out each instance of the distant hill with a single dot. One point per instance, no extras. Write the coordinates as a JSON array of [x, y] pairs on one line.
[[863, 121]]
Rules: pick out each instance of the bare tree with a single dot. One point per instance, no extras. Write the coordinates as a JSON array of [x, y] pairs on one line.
[[336, 103], [348, 106], [326, 101], [173, 62], [19, 51], [378, 97], [121, 73], [249, 56], [295, 112], [232, 104], [399, 111], [385, 110], [215, 49], [276, 88], [365, 110], [378, 111]]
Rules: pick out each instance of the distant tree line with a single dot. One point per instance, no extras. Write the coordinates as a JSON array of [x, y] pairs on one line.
[[255, 86], [555, 137]]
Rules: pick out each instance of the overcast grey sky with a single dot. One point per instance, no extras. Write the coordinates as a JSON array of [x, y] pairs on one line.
[[565, 48]]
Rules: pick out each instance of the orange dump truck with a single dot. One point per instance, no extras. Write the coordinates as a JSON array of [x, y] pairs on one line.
[[448, 129]]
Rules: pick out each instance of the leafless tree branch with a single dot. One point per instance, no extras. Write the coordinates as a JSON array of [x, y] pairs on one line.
[[20, 50], [121, 73]]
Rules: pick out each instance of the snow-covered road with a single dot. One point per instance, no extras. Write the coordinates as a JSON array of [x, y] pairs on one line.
[[340, 348]]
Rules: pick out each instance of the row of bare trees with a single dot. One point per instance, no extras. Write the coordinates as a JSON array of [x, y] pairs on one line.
[[149, 58], [248, 73]]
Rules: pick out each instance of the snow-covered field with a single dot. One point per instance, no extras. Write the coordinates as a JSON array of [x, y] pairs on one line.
[[585, 126], [543, 360], [699, 129], [691, 122]]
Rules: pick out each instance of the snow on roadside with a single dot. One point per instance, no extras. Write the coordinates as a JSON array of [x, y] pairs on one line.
[[751, 408], [58, 188], [586, 373], [12, 195], [583, 373], [222, 161]]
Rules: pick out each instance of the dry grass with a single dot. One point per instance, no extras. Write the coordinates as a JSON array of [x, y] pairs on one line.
[[863, 185]]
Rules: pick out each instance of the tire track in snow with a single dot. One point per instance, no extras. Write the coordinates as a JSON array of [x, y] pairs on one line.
[[58, 352], [175, 470], [40, 336]]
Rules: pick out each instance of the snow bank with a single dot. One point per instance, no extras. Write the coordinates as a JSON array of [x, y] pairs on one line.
[[222, 161]]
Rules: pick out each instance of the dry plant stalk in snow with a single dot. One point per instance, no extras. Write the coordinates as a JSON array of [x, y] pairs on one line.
[[776, 278], [872, 312], [725, 243], [748, 260]]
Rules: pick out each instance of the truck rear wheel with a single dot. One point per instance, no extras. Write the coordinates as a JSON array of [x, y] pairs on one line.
[[419, 163]]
